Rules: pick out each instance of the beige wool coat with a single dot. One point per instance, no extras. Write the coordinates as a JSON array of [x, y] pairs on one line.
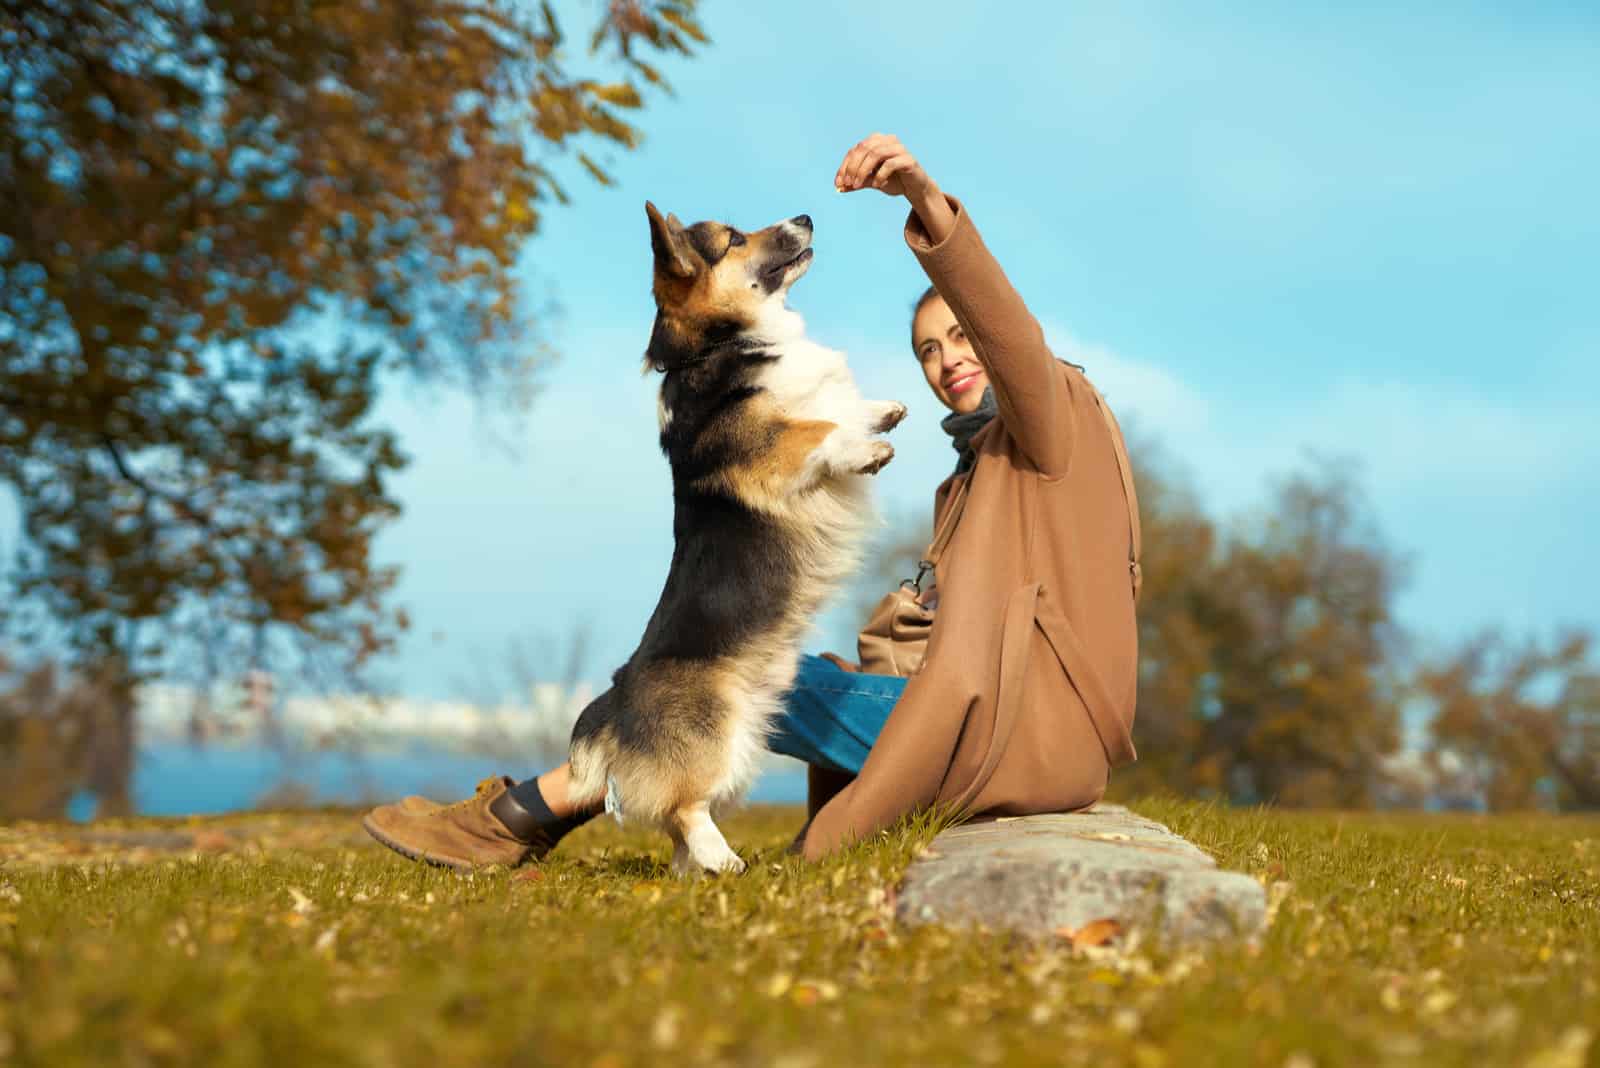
[[1025, 698]]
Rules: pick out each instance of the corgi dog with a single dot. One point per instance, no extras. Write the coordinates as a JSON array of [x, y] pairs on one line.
[[770, 444]]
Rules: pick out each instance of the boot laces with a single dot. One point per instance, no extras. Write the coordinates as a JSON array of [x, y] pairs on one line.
[[483, 788]]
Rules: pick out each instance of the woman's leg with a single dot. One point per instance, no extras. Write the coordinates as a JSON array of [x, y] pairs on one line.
[[832, 717], [550, 790]]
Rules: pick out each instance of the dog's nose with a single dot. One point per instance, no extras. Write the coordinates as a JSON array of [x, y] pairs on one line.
[[802, 221]]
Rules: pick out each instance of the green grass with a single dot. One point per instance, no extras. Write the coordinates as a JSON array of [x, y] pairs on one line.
[[287, 940]]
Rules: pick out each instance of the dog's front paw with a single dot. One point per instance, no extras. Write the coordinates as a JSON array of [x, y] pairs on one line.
[[887, 415], [874, 457]]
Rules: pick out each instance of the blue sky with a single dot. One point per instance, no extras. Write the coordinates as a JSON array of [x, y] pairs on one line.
[[1364, 232], [1265, 229]]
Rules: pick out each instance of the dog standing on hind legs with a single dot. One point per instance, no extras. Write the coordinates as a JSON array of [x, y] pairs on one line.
[[769, 443]]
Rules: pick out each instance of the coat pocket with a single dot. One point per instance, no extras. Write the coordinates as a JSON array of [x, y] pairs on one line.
[[1085, 678], [1016, 629]]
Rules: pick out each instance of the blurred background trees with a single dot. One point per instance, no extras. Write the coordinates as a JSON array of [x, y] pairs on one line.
[[224, 228], [1516, 723], [1269, 657], [54, 736]]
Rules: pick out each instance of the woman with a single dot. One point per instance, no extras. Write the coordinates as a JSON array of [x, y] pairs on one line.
[[1025, 695]]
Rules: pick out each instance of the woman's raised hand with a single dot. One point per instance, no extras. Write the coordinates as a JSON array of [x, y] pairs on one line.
[[881, 162]]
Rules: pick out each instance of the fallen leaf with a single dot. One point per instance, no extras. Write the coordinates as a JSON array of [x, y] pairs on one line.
[[810, 991], [1094, 933], [302, 903], [529, 875]]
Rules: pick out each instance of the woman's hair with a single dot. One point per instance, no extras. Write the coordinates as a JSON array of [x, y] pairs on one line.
[[916, 309]]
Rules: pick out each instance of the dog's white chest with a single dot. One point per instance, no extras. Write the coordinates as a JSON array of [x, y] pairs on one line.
[[812, 382]]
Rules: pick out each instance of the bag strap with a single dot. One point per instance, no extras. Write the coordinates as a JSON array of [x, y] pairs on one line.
[[1135, 536], [941, 536]]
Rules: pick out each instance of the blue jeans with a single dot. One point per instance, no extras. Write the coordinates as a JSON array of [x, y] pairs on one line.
[[832, 716]]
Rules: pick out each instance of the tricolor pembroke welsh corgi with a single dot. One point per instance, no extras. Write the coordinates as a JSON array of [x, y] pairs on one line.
[[770, 444]]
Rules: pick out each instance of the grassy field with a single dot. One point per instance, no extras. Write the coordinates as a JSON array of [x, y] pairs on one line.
[[290, 940]]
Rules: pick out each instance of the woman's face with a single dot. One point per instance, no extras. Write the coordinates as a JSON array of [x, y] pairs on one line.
[[948, 362]]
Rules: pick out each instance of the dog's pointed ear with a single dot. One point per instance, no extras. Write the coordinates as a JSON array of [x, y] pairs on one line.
[[667, 242]]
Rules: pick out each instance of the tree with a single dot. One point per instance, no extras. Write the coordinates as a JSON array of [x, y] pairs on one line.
[[225, 225], [1308, 687], [52, 736], [1517, 723], [1268, 654]]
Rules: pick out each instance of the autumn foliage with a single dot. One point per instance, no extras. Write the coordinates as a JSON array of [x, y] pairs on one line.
[[1517, 723], [226, 226], [1268, 650]]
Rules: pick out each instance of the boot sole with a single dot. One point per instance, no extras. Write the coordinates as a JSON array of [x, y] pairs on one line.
[[416, 854]]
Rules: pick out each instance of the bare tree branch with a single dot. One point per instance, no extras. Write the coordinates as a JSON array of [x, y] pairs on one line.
[[183, 507]]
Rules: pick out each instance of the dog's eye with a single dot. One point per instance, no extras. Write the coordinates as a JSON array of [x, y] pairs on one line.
[[735, 239]]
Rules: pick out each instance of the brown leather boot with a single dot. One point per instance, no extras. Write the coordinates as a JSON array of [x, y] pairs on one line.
[[466, 835]]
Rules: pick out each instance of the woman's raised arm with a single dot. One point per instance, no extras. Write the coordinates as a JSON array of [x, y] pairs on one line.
[[1029, 388]]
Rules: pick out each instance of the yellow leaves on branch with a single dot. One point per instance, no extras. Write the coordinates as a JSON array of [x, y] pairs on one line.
[[682, 21], [621, 94], [239, 173]]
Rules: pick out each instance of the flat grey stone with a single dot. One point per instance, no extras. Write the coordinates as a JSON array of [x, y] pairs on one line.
[[1038, 875]]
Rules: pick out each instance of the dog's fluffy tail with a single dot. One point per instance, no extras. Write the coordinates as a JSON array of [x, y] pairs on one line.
[[592, 752]]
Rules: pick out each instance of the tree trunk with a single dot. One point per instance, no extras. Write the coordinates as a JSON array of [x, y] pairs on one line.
[[113, 747]]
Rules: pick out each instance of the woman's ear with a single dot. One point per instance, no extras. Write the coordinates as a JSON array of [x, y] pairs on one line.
[[666, 241]]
